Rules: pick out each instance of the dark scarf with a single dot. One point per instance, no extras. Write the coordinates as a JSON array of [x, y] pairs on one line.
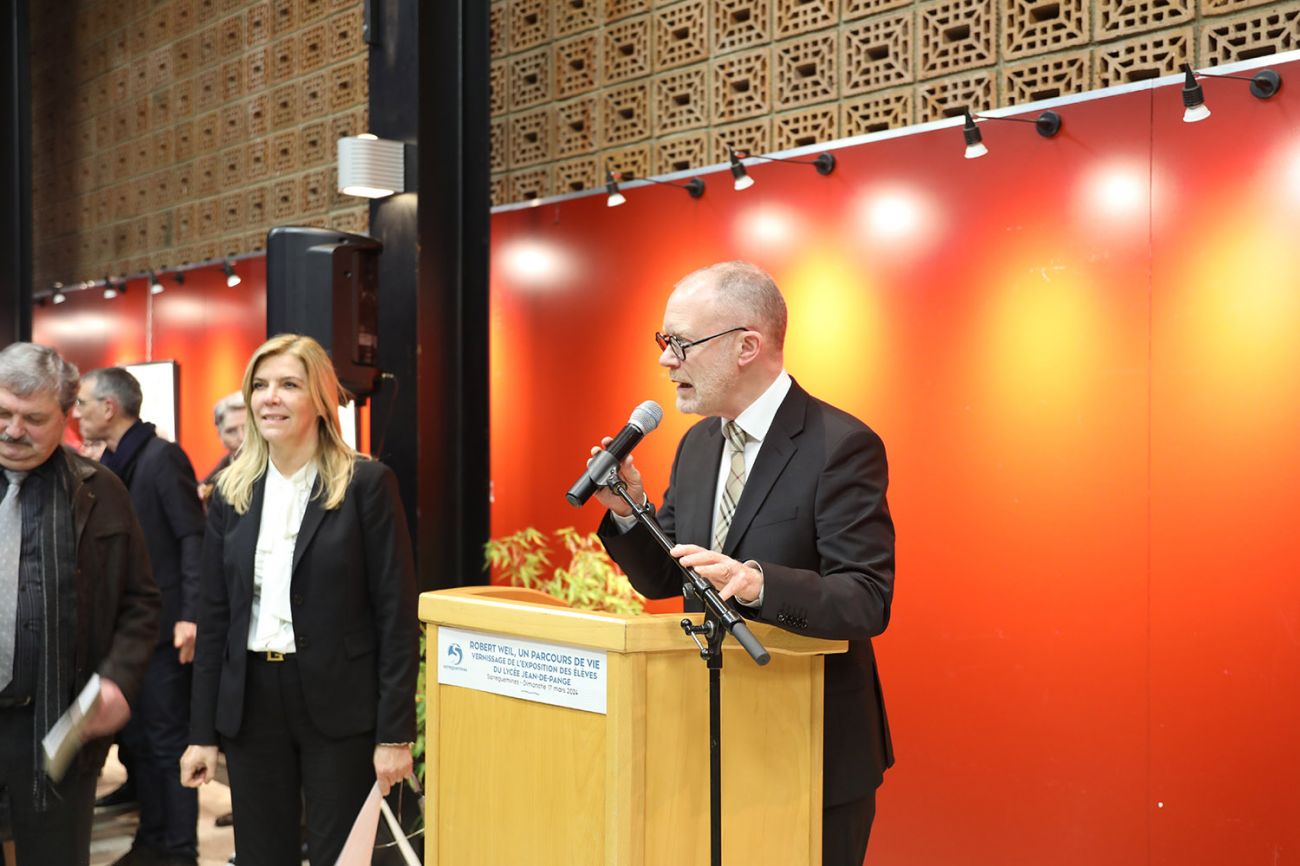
[[54, 686], [122, 458]]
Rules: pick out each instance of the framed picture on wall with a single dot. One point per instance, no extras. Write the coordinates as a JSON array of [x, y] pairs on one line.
[[159, 407]]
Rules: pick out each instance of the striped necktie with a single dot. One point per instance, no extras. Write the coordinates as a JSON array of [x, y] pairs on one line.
[[11, 547], [735, 485]]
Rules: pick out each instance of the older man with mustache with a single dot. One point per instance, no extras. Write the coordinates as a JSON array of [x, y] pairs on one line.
[[77, 597]]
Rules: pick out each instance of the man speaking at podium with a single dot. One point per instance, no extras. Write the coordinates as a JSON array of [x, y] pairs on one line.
[[778, 500]]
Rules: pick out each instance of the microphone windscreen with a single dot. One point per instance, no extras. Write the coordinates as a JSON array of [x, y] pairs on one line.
[[647, 416]]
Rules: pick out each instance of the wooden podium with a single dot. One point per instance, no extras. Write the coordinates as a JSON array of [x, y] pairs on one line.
[[514, 781]]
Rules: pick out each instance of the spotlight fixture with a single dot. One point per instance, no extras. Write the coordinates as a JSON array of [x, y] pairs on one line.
[[974, 140], [155, 285], [1263, 85], [371, 167], [614, 198], [824, 163], [1194, 108], [110, 290], [742, 178], [232, 278], [1048, 124], [179, 277], [59, 297], [694, 187]]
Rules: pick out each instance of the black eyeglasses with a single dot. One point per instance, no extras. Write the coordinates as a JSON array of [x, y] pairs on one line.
[[680, 346]]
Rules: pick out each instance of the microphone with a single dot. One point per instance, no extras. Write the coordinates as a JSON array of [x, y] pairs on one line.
[[645, 418]]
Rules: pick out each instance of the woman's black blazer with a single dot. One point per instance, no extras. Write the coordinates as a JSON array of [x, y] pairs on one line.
[[353, 597]]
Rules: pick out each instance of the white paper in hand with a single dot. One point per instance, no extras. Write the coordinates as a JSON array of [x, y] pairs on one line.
[[360, 847], [64, 740]]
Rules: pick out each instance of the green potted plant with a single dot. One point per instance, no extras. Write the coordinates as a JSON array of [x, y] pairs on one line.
[[590, 580]]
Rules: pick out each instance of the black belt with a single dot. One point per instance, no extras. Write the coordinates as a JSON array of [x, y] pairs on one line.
[[269, 656], [14, 702]]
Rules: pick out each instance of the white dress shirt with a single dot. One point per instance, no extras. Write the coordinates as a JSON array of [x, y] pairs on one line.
[[284, 502]]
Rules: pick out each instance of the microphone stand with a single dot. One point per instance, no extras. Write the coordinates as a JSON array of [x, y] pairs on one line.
[[719, 619]]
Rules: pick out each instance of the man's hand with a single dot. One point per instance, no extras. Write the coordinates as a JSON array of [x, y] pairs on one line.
[[198, 765], [183, 634], [112, 713], [729, 577], [631, 475], [392, 765]]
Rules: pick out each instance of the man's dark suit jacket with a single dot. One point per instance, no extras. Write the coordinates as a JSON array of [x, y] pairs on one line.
[[117, 601], [355, 624], [813, 515], [165, 495]]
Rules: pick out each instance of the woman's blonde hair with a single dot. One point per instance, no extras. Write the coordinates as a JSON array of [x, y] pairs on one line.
[[335, 459]]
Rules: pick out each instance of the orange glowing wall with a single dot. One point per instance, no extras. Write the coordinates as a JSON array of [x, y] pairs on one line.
[[208, 328], [1083, 355]]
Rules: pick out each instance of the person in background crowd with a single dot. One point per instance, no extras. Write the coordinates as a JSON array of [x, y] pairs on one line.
[[121, 799], [308, 644], [71, 552], [161, 482], [229, 414], [778, 499]]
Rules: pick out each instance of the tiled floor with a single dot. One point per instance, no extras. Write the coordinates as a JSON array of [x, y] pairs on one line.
[[111, 837]]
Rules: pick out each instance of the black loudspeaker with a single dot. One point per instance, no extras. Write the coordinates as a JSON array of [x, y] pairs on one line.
[[325, 284]]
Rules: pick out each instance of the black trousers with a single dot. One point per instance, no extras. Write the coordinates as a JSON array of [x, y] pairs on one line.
[[846, 827], [150, 747], [279, 760], [59, 834]]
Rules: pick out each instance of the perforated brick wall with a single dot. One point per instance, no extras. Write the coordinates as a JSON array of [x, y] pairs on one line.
[[669, 85], [179, 128], [196, 125]]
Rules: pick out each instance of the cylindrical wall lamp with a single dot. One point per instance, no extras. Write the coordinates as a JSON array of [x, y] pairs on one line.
[[371, 167]]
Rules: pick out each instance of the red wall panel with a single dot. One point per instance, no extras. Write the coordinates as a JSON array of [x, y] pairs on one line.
[[1081, 451], [94, 332], [1225, 401], [208, 328], [212, 330]]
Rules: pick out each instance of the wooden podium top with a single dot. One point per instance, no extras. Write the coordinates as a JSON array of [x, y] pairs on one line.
[[527, 613]]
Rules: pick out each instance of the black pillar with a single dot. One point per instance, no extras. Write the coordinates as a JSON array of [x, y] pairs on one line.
[[429, 65], [16, 165]]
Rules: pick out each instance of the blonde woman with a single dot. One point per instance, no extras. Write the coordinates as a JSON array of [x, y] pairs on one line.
[[307, 651]]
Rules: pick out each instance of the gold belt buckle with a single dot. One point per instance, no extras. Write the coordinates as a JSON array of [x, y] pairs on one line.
[[273, 656]]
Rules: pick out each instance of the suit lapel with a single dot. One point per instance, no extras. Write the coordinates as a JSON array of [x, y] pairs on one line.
[[244, 537], [311, 520], [778, 447], [697, 481]]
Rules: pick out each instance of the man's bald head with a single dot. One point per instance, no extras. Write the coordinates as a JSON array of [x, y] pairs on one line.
[[743, 293]]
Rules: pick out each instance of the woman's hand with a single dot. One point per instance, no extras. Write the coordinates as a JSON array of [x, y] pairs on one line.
[[198, 765], [392, 765]]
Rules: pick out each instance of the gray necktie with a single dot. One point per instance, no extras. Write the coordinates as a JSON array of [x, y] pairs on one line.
[[735, 482], [11, 546]]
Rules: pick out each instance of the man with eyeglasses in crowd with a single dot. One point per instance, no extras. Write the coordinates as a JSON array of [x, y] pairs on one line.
[[163, 489], [778, 499]]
